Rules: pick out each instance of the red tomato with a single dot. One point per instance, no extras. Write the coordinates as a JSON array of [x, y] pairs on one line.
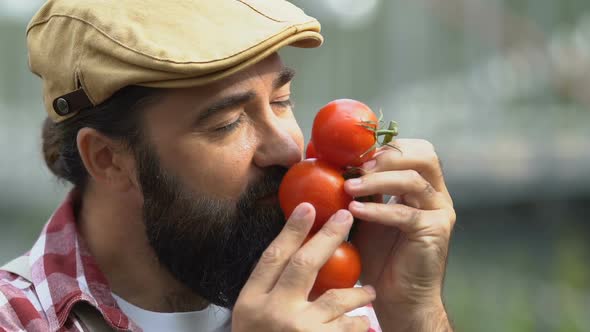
[[342, 270], [310, 151], [317, 183], [339, 134]]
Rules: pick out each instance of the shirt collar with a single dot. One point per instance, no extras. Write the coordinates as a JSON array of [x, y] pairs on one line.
[[64, 272]]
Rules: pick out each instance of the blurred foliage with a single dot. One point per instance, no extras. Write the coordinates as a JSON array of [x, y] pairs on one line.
[[521, 267]]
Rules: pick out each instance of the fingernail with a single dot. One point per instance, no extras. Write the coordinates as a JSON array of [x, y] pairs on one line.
[[342, 216], [357, 205], [369, 165], [300, 211], [354, 182], [370, 290]]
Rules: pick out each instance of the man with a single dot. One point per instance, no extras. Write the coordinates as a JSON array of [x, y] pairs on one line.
[[174, 123]]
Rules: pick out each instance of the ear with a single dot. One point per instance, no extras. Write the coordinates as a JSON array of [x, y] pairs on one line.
[[107, 162]]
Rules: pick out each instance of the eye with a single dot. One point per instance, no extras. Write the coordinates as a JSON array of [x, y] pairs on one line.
[[283, 103], [230, 126]]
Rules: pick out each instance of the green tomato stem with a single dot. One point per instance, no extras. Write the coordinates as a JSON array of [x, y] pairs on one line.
[[389, 133]]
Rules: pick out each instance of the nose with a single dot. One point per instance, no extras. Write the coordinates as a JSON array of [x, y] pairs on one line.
[[279, 143]]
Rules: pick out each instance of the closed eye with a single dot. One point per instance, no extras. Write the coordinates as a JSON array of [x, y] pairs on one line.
[[284, 103], [230, 126]]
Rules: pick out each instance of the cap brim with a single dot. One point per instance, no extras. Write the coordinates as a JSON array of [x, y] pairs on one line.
[[303, 39]]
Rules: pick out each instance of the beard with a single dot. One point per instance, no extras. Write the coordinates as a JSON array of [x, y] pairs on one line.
[[209, 244]]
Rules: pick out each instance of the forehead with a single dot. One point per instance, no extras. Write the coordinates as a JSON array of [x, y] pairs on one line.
[[266, 68], [181, 105]]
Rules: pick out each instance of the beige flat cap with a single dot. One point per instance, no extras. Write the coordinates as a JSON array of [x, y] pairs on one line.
[[86, 50]]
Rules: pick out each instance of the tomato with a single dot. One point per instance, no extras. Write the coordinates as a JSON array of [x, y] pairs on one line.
[[340, 134], [342, 270], [310, 151], [317, 183]]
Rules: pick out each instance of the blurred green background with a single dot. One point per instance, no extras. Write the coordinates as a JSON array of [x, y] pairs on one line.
[[502, 88]]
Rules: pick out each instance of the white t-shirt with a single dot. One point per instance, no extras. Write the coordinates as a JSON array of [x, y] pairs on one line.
[[210, 319]]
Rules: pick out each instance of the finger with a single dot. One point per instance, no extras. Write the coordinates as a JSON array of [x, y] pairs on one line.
[[336, 302], [277, 255], [347, 323], [408, 219], [397, 183], [300, 273], [415, 154]]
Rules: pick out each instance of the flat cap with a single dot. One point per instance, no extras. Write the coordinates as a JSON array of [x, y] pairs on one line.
[[86, 50]]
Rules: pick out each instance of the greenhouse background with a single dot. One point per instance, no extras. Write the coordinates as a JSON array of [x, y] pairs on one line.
[[502, 89]]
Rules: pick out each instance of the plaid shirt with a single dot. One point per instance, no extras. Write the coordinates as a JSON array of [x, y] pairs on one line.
[[64, 273]]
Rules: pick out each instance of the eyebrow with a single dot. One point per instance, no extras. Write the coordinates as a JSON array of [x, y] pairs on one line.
[[285, 76], [226, 103]]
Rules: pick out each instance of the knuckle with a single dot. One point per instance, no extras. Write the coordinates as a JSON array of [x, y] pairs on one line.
[[432, 242], [427, 189], [451, 217], [414, 215], [447, 197], [303, 260], [272, 255], [415, 177], [331, 302], [329, 231], [333, 298], [419, 184], [408, 214], [295, 226], [448, 221]]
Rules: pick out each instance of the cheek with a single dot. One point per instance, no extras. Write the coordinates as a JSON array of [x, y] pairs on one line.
[[220, 169], [231, 165]]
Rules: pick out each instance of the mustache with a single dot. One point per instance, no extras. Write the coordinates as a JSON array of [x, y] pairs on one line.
[[267, 184]]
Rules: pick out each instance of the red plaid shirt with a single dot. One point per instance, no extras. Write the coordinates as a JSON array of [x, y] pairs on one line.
[[63, 274]]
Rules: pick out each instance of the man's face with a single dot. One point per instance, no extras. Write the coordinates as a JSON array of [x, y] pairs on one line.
[[209, 170]]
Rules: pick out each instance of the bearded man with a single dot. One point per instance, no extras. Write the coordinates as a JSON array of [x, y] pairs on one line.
[[173, 121]]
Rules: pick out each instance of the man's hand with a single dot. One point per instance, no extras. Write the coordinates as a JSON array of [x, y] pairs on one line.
[[404, 243], [275, 296]]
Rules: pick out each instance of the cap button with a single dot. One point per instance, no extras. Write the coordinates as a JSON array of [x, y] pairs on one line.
[[62, 105]]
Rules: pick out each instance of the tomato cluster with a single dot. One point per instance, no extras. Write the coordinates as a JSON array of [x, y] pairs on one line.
[[344, 135]]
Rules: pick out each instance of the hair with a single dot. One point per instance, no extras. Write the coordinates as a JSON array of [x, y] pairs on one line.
[[117, 118]]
